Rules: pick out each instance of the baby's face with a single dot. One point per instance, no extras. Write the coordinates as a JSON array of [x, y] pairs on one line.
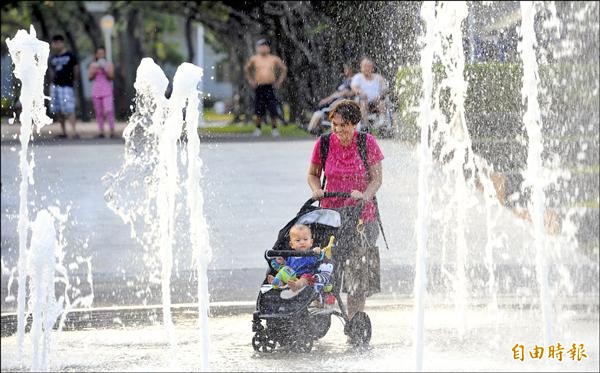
[[301, 240]]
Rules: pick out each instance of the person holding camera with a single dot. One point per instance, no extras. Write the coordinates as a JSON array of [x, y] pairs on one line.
[[101, 72]]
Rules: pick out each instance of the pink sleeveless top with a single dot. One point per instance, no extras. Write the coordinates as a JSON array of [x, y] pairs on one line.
[[102, 86]]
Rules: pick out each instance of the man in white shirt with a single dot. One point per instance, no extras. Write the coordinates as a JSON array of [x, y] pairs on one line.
[[371, 89]]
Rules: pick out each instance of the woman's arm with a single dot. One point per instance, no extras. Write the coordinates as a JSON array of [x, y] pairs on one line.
[[110, 71], [314, 180], [329, 98], [374, 185], [357, 91], [383, 89], [376, 180], [248, 72], [92, 70]]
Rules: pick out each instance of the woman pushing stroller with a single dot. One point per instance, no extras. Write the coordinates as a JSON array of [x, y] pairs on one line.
[[351, 163]]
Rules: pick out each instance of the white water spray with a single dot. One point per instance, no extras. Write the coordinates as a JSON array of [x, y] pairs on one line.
[[533, 176], [30, 57], [424, 121], [457, 140], [150, 183], [44, 307], [197, 222]]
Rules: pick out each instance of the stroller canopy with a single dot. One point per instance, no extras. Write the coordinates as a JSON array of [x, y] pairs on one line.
[[327, 217], [322, 221]]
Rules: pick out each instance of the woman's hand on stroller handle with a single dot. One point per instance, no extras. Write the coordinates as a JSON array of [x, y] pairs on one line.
[[356, 194], [326, 194], [320, 194]]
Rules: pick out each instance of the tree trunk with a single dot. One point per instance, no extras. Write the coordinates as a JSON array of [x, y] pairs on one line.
[[129, 58], [90, 25], [188, 39], [39, 16]]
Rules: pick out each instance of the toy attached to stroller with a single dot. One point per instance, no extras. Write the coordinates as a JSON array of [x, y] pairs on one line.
[[294, 320]]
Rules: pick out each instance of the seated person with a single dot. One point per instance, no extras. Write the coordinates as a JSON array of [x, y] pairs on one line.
[[371, 89], [301, 266], [343, 91]]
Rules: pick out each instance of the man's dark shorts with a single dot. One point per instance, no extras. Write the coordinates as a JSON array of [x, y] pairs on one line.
[[266, 100]]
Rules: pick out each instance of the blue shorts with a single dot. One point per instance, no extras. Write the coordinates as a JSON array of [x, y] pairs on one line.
[[62, 99]]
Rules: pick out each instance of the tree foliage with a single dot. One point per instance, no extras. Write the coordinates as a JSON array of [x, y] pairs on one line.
[[313, 38]]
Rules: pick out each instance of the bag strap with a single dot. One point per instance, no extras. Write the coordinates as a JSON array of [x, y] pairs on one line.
[[324, 148], [362, 151]]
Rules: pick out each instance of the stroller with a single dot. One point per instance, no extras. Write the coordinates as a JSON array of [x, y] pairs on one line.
[[294, 323]]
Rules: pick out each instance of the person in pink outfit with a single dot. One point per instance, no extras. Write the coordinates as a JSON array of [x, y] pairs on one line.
[[101, 72]]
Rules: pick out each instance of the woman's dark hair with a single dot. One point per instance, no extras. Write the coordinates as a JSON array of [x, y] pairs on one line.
[[348, 109], [100, 47], [58, 37]]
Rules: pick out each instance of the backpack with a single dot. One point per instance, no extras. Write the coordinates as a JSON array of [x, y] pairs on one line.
[[362, 151]]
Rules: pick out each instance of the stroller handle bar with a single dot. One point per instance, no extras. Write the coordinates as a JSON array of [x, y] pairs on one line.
[[333, 195], [312, 200], [272, 254]]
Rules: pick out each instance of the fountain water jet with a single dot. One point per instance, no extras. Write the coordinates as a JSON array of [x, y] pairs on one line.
[[444, 132], [30, 57], [533, 174], [424, 122], [43, 304], [444, 40], [149, 185]]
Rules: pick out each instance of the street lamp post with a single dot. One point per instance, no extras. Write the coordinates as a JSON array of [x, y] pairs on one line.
[[107, 23], [200, 62]]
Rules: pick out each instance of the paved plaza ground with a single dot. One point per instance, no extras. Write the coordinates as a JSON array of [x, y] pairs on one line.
[[251, 189], [486, 345]]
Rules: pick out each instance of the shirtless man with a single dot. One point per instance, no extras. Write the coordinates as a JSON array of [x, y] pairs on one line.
[[265, 73]]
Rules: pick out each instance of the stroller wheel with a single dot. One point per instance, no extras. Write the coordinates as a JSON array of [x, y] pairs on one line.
[[359, 329], [303, 346], [261, 343]]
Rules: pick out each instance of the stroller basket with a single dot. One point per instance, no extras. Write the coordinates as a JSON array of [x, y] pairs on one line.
[[271, 305]]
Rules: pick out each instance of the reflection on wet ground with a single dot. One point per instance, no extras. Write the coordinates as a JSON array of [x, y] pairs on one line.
[[485, 345]]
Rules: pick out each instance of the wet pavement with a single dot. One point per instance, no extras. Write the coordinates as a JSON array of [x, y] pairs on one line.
[[485, 346], [251, 190]]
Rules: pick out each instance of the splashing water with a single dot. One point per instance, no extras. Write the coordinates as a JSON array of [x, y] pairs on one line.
[[30, 57], [197, 223], [41, 268], [547, 264], [150, 189], [424, 121], [533, 176]]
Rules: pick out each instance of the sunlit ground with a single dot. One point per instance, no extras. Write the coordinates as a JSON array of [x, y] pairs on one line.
[[486, 346]]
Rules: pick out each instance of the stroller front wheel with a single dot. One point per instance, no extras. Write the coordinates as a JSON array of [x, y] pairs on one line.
[[261, 343]]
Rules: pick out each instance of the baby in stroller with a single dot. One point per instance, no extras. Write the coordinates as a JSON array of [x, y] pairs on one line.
[[289, 318], [303, 267]]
